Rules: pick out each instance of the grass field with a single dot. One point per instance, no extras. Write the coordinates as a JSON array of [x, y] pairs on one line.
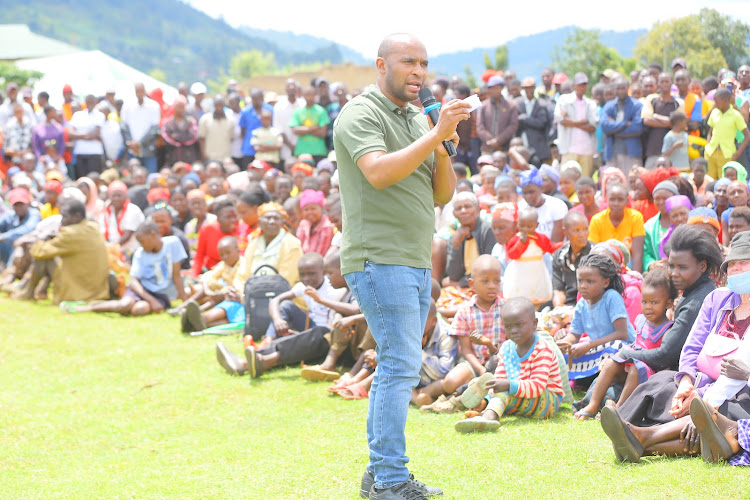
[[98, 406]]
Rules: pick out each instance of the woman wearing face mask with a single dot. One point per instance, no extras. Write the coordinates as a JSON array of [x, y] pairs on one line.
[[720, 327]]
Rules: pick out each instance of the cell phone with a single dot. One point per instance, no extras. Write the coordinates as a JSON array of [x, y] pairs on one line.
[[730, 86]]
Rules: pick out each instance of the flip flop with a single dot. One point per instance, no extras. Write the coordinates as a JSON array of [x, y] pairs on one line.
[[68, 306], [477, 424], [356, 391], [317, 374], [475, 393], [584, 415], [626, 445], [714, 445]]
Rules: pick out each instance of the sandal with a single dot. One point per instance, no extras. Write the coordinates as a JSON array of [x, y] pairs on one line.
[[584, 415], [475, 393], [68, 306], [354, 391], [318, 374]]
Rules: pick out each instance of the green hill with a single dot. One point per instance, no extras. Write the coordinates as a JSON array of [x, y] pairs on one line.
[[153, 34]]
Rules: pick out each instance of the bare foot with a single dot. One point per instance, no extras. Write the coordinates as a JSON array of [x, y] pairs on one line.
[[423, 399]]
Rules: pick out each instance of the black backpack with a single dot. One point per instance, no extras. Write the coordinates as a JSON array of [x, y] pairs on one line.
[[260, 288]]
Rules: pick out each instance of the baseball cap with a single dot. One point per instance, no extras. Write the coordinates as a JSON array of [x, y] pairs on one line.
[[53, 185], [198, 88], [528, 82], [609, 73], [306, 158], [580, 78], [495, 80], [260, 165], [67, 88], [26, 92], [19, 195], [559, 78], [54, 174], [678, 61], [11, 85]]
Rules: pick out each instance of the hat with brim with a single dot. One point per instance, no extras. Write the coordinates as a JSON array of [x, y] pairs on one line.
[[739, 249]]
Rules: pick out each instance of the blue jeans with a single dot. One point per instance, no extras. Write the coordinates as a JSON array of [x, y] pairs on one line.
[[151, 163], [395, 301], [294, 316]]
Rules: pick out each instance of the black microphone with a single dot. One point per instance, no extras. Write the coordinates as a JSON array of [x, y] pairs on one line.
[[429, 103]]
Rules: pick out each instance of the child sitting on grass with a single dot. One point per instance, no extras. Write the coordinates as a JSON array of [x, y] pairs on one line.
[[223, 289], [527, 274], [479, 330], [600, 314], [155, 278], [657, 298], [527, 379]]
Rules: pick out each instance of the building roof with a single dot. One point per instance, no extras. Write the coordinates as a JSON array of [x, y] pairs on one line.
[[18, 42]]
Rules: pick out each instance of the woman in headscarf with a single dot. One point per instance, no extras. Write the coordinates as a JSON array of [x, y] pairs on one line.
[[609, 177], [550, 210], [738, 196], [120, 218], [94, 205], [550, 183], [657, 226], [273, 245], [677, 207], [643, 195], [504, 218], [734, 171]]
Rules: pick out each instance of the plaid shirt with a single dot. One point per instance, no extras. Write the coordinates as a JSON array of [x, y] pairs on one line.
[[18, 135], [471, 317]]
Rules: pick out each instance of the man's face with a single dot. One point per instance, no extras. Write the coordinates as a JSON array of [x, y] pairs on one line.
[[649, 85], [179, 108], [309, 95], [18, 113], [682, 80], [743, 76], [219, 104], [581, 89], [21, 209], [257, 99], [67, 218], [12, 94], [405, 69], [68, 96], [621, 89], [495, 92], [90, 102], [529, 91], [291, 90], [466, 212], [140, 92], [665, 83], [547, 77]]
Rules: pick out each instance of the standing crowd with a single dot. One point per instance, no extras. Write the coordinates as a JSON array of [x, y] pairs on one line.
[[594, 244]]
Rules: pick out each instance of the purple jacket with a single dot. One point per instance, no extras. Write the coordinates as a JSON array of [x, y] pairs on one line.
[[716, 306]]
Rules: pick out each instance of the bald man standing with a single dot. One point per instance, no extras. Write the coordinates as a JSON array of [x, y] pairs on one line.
[[392, 169]]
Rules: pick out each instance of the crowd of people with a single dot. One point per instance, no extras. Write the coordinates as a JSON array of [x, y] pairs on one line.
[[594, 244]]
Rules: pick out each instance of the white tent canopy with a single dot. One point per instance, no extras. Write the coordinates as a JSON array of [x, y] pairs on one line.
[[90, 72]]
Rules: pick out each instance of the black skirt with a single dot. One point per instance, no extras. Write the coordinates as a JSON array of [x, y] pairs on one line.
[[650, 403]]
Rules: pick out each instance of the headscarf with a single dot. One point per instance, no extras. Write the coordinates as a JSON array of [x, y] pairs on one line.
[[572, 164], [651, 178], [677, 201], [272, 207], [302, 167], [309, 196], [156, 177], [551, 172], [609, 173], [704, 215], [156, 194], [505, 211], [73, 193], [615, 252], [94, 205], [531, 176], [741, 172], [501, 178], [191, 176], [326, 164]]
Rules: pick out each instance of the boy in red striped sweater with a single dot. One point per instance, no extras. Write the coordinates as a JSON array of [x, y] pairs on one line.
[[527, 379]]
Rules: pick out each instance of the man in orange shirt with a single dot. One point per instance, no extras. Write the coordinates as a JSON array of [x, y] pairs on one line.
[[620, 223]]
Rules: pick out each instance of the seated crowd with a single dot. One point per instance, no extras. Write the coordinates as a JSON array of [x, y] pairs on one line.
[[598, 245]]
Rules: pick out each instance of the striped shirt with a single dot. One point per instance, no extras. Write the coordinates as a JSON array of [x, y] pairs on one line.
[[531, 374], [471, 317]]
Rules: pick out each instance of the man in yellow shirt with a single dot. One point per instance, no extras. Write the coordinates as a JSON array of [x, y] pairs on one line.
[[725, 121], [620, 223]]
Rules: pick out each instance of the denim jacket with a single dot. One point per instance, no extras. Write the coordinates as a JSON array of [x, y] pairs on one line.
[[612, 127]]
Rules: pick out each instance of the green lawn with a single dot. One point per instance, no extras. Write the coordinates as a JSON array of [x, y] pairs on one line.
[[98, 406]]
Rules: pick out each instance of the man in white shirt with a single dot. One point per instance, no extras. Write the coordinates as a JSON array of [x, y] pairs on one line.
[[577, 117], [282, 114], [140, 116], [86, 132], [6, 108]]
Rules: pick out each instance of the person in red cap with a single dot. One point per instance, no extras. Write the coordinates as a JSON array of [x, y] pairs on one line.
[[300, 171], [644, 190], [157, 194], [70, 103], [52, 190], [315, 231], [14, 224]]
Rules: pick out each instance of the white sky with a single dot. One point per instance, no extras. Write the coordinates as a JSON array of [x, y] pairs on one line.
[[361, 25]]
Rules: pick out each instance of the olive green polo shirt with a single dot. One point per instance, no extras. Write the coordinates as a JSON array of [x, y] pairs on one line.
[[391, 226]]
